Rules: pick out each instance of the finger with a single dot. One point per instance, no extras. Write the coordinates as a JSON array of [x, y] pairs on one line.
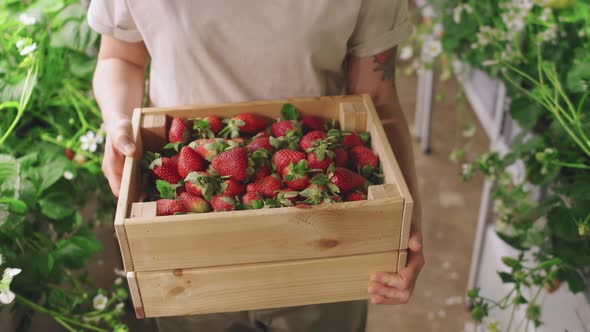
[[404, 279], [403, 296], [378, 299], [415, 241], [123, 143]]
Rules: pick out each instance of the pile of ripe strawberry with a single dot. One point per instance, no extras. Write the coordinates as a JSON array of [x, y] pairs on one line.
[[245, 162]]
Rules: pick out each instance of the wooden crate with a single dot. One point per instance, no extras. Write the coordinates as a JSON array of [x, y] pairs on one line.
[[246, 260]]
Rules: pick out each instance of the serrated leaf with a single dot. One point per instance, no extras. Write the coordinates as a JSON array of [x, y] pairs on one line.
[[289, 112], [173, 146], [56, 205], [506, 277], [511, 262], [165, 189], [14, 205]]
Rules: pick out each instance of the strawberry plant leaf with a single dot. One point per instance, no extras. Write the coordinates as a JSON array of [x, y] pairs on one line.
[[289, 112], [165, 189], [14, 205], [365, 137], [173, 146]]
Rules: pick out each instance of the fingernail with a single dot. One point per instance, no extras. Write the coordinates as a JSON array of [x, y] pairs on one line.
[[128, 148]]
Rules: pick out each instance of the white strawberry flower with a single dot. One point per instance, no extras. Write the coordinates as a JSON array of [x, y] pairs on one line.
[[68, 175], [6, 295], [90, 141], [28, 49], [406, 53], [99, 302], [27, 19], [120, 306], [20, 43], [432, 49]]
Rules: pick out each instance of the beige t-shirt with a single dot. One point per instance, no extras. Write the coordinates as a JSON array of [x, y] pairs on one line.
[[212, 51]]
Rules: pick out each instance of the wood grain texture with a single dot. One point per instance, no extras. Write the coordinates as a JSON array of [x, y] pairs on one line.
[[391, 169], [153, 131], [238, 237], [129, 192], [135, 295], [326, 107], [262, 285], [353, 117]]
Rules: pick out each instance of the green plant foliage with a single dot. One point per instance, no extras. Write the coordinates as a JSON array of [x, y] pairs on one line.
[[541, 51], [51, 145]]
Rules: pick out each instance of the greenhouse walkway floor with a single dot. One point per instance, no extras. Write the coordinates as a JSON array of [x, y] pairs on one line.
[[449, 218]]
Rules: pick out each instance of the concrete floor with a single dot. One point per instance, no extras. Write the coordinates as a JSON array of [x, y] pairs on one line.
[[449, 217]]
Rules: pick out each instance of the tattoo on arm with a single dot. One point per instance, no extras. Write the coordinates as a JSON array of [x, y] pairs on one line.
[[385, 63]]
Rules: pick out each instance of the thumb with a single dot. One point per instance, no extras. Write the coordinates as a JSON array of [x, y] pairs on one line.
[[415, 241], [123, 142]]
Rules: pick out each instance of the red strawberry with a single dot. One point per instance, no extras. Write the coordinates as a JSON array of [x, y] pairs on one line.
[[208, 127], [69, 153], [295, 175], [355, 196], [223, 203], [351, 140], [317, 161], [253, 200], [308, 140], [232, 188], [194, 203], [180, 190], [208, 148], [166, 169], [346, 180], [260, 143], [310, 123], [232, 163], [245, 123], [281, 128], [363, 159], [167, 207], [201, 184], [175, 159], [284, 157], [179, 131], [340, 157], [215, 124], [262, 172], [267, 187], [190, 161], [315, 193]]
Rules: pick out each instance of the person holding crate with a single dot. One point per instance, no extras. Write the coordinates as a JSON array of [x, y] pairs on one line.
[[206, 51]]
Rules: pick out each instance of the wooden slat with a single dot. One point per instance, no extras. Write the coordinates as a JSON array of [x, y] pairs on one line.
[[153, 131], [135, 295], [224, 238], [258, 286], [326, 107], [402, 259], [353, 117], [391, 169], [129, 192]]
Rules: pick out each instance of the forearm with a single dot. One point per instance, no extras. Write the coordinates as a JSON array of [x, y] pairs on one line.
[[118, 88], [376, 77], [397, 130]]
